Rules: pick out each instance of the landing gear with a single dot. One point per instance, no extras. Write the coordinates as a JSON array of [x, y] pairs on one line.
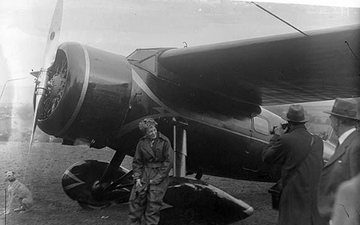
[[95, 184], [78, 183], [103, 188], [180, 147], [199, 174]]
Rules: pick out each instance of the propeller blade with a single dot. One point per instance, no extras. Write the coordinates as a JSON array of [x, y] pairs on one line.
[[34, 124], [53, 35], [49, 56]]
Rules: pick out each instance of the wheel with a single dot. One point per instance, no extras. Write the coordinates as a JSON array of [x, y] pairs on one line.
[[88, 206], [79, 178]]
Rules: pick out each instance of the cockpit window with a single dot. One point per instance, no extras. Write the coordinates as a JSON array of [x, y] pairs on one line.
[[261, 125]]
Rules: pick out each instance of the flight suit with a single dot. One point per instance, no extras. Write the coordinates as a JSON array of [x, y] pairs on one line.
[[151, 162]]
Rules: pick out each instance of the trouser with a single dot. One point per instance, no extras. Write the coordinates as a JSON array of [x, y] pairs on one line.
[[146, 202]]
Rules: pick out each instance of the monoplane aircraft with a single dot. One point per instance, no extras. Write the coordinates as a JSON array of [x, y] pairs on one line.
[[207, 99]]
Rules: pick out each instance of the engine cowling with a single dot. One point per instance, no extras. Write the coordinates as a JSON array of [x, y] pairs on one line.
[[88, 96]]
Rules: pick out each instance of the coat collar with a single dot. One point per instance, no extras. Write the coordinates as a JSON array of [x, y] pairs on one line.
[[147, 140], [299, 126], [159, 135], [341, 149], [346, 134], [147, 146]]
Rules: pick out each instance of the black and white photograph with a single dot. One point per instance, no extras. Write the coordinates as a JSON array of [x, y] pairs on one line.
[[179, 112]]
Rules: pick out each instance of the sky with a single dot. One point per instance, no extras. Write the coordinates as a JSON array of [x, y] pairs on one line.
[[339, 3], [121, 26]]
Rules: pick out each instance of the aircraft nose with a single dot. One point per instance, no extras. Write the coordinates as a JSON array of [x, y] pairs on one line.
[[88, 94]]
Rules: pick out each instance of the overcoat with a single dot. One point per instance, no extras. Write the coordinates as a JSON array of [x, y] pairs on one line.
[[342, 165], [347, 203], [301, 165]]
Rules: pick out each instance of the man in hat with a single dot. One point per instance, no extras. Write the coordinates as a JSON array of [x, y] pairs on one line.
[[151, 165], [345, 162], [300, 156]]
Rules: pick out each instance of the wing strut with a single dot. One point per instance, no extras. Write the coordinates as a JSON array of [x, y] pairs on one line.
[[287, 23], [352, 52]]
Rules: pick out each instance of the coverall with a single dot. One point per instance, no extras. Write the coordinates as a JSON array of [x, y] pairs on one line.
[[151, 162]]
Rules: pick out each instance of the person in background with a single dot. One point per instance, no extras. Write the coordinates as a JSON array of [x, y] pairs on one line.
[[299, 154], [347, 203], [151, 165], [345, 162]]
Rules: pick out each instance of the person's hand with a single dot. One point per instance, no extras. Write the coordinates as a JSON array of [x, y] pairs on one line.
[[138, 183], [156, 180], [279, 130]]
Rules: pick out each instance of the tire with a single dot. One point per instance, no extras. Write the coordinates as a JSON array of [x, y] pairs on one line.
[[89, 206]]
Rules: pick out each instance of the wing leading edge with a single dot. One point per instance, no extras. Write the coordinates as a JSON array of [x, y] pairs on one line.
[[280, 69]]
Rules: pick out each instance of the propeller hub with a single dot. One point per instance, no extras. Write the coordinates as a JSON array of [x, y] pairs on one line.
[[57, 79]]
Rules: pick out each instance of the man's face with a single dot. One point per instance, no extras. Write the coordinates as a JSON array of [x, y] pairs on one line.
[[334, 122], [151, 132]]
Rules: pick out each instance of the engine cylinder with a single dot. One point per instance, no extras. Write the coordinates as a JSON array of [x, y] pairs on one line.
[[89, 93]]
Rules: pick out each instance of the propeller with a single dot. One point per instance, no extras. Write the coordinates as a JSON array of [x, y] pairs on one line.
[[49, 57]]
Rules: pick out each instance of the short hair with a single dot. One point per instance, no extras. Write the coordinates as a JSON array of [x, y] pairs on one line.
[[147, 123]]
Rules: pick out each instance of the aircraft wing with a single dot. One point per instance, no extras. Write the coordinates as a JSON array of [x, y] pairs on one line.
[[272, 70]]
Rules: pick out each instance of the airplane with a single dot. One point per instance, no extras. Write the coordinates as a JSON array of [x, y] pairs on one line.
[[209, 100]]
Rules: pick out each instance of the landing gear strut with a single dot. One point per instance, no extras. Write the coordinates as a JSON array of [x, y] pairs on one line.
[[79, 179], [180, 147], [101, 187]]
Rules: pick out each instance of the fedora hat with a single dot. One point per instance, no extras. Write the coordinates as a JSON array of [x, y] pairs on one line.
[[296, 113], [347, 108]]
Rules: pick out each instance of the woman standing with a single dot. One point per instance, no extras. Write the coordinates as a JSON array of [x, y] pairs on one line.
[[151, 165]]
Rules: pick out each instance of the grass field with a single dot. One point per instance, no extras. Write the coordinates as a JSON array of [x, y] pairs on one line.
[[42, 168]]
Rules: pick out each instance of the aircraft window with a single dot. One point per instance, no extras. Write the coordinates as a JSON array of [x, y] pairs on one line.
[[150, 64], [236, 125], [142, 54], [261, 125]]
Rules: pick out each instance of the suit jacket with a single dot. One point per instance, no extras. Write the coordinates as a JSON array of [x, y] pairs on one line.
[[347, 203], [342, 165], [298, 204]]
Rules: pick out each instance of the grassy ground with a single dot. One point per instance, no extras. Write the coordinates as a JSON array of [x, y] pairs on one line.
[[41, 171]]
